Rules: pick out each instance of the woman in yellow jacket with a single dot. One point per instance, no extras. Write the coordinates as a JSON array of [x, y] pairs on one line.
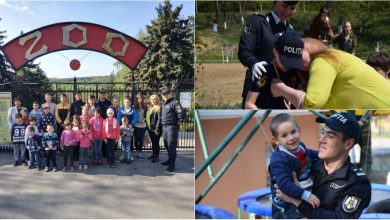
[[336, 79], [62, 113]]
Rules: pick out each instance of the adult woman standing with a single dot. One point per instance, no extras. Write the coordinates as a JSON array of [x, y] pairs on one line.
[[140, 126], [336, 79], [346, 41], [154, 126], [62, 113]]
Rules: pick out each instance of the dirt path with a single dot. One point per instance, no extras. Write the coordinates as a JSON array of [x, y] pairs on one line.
[[219, 85]]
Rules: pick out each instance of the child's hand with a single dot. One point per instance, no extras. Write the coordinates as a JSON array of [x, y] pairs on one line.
[[314, 201], [116, 140]]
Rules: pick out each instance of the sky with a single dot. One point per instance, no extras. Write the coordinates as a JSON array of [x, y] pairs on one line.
[[128, 17]]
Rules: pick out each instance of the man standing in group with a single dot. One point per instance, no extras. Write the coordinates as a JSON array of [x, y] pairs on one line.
[[103, 103], [258, 39], [171, 114], [343, 189], [76, 106]]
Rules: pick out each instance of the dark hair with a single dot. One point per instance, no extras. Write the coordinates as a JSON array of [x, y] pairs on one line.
[[36, 102], [278, 119], [64, 95], [379, 59], [17, 99], [32, 118], [347, 136], [97, 109], [18, 115], [51, 125], [92, 97], [125, 117], [30, 129]]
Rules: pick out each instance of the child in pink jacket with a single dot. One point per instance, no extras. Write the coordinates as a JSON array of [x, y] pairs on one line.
[[85, 138], [110, 136], [67, 143], [96, 126]]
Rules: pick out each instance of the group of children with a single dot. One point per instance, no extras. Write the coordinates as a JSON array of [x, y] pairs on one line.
[[81, 137]]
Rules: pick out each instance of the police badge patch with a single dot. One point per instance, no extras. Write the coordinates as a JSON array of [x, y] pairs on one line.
[[351, 203], [249, 29]]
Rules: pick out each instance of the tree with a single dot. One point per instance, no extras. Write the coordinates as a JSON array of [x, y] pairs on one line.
[[31, 84], [6, 74], [170, 42]]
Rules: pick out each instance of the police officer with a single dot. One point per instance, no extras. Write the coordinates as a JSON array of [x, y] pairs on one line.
[[343, 189], [171, 113], [258, 38]]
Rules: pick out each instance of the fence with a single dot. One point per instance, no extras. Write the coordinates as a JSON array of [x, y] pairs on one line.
[[120, 91]]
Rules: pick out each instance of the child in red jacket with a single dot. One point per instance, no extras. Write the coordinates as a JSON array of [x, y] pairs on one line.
[[110, 136]]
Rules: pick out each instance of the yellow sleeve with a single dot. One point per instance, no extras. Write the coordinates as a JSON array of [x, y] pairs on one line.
[[58, 119], [321, 77]]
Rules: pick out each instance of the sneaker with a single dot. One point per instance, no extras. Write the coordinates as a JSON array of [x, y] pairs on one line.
[[64, 169], [85, 167], [24, 163], [30, 167], [166, 163], [46, 169], [16, 163], [128, 161], [100, 162], [80, 167], [95, 162], [140, 157], [54, 169], [132, 158], [72, 169], [122, 161], [150, 157], [108, 166], [112, 166], [155, 160]]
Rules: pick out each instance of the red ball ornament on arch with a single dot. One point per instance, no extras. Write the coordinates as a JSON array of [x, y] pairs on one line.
[[74, 64]]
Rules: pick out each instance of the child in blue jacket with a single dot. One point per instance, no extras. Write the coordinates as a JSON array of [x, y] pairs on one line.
[[289, 167]]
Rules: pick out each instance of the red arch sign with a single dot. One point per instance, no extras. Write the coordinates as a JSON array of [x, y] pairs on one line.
[[74, 35]]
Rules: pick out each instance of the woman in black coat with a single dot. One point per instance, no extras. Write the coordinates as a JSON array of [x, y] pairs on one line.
[[154, 126]]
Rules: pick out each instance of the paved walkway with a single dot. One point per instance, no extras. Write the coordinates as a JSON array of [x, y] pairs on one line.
[[138, 190]]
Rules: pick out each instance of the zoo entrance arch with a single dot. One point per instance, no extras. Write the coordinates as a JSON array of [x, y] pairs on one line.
[[73, 35]]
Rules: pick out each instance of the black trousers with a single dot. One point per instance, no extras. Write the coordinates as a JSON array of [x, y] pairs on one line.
[[155, 142], [76, 152], [111, 145], [68, 152], [170, 133], [51, 155]]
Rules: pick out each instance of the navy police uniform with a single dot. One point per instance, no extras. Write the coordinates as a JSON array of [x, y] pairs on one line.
[[171, 113], [257, 42], [343, 194], [263, 86]]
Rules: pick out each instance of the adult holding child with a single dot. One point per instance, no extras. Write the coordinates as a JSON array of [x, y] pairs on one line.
[[335, 78], [129, 111], [343, 189]]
